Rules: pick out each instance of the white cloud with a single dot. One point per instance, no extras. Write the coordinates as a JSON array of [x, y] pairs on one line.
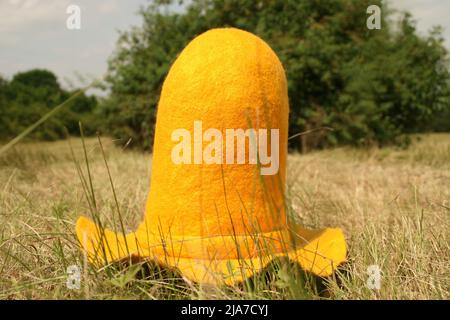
[[427, 13], [33, 33], [108, 7], [18, 15]]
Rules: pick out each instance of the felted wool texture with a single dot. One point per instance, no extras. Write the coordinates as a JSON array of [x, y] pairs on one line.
[[226, 78], [208, 218]]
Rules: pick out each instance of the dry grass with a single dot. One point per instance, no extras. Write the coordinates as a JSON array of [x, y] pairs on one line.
[[393, 205]]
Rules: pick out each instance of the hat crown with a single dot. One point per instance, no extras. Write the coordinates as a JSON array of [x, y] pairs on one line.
[[225, 79]]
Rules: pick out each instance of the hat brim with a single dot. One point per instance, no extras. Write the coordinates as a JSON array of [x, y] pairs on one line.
[[317, 251]]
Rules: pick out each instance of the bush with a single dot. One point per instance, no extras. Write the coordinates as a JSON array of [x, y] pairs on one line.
[[32, 94]]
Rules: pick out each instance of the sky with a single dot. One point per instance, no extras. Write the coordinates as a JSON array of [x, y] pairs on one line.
[[33, 33]]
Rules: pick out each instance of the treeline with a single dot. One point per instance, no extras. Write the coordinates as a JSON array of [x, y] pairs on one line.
[[32, 94], [369, 86]]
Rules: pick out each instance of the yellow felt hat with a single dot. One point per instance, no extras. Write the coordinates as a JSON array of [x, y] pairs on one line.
[[219, 222]]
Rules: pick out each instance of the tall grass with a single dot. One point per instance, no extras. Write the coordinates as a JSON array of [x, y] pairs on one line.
[[393, 205]]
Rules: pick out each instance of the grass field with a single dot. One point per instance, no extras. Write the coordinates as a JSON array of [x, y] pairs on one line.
[[393, 205]]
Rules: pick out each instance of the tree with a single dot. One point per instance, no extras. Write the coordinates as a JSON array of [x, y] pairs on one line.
[[35, 86], [3, 103], [32, 94], [370, 86]]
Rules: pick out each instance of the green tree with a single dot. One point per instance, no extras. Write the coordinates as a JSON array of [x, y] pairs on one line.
[[32, 94], [33, 86], [3, 104], [370, 86]]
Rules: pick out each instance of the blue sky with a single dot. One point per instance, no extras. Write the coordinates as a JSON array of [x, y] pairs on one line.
[[33, 33]]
